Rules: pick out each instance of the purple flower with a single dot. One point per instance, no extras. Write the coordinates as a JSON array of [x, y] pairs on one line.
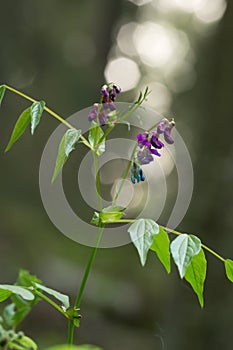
[[143, 139], [93, 112], [109, 92], [147, 147], [155, 141], [167, 132], [144, 156], [117, 88], [112, 95], [102, 118], [109, 105], [162, 125], [104, 90], [104, 110], [154, 151]]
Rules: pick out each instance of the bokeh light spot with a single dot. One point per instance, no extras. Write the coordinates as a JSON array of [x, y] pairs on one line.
[[123, 71]]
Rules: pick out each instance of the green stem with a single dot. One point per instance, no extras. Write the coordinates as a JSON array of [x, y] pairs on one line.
[[203, 245], [124, 176], [89, 265], [70, 332], [122, 221], [84, 282], [48, 110], [98, 185], [51, 302]]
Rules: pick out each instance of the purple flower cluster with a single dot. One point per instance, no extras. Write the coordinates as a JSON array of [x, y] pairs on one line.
[[105, 108], [149, 144]]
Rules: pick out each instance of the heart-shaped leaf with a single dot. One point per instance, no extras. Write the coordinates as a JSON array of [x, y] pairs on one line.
[[142, 233], [67, 144], [196, 274], [183, 248], [160, 246]]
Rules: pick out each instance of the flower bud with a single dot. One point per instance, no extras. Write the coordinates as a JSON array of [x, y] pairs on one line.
[[162, 125]]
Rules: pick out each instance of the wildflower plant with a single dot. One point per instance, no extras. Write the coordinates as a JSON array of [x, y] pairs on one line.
[[187, 250]]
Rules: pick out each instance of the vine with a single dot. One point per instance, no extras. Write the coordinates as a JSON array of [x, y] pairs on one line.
[[187, 250]]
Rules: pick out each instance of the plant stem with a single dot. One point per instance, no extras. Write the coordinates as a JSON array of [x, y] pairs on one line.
[[84, 282], [70, 332], [89, 265], [124, 176], [51, 302], [48, 110], [177, 233], [98, 185], [203, 245]]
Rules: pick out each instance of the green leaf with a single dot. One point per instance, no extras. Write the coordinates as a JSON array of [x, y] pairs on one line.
[[110, 217], [80, 347], [183, 249], [142, 233], [8, 314], [24, 293], [2, 93], [229, 269], [196, 274], [27, 343], [160, 246], [67, 144], [36, 113], [20, 314], [59, 296], [14, 346], [114, 209], [94, 137], [96, 218], [4, 294], [20, 126], [25, 279]]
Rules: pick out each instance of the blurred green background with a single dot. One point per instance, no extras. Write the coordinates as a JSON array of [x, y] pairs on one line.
[[62, 52]]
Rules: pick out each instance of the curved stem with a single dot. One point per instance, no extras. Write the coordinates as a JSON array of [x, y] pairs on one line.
[[203, 245], [177, 233], [51, 302], [48, 110]]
